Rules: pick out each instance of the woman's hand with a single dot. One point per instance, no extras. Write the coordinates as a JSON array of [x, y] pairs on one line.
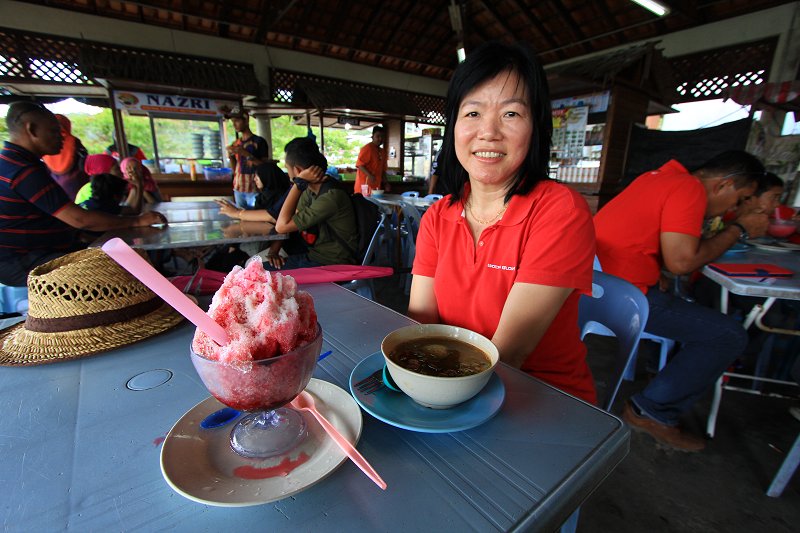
[[228, 209], [275, 260]]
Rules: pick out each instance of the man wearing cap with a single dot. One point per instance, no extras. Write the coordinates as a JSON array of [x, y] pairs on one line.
[[371, 164], [655, 223], [38, 221], [246, 153]]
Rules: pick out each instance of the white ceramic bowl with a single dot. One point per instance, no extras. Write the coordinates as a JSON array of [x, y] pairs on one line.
[[377, 193], [433, 391]]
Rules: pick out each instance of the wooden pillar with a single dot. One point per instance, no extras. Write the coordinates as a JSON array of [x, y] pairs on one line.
[[119, 129], [628, 106]]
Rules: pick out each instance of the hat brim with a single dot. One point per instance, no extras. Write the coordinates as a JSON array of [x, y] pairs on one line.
[[22, 347]]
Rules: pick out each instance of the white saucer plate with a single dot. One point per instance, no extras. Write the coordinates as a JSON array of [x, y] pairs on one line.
[[200, 464]]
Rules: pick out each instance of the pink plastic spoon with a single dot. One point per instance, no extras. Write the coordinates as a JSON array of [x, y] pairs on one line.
[[305, 402], [128, 259]]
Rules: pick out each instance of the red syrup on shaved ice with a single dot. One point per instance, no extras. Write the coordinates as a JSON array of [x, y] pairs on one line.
[[266, 317]]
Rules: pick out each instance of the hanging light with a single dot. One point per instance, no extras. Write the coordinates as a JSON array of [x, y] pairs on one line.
[[654, 6], [458, 27]]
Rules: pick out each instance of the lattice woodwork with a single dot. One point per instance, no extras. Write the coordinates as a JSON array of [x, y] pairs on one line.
[[34, 57], [28, 56], [282, 85], [704, 75]]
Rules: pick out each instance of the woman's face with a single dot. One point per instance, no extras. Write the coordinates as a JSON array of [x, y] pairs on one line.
[[131, 172], [493, 129], [770, 199], [258, 182]]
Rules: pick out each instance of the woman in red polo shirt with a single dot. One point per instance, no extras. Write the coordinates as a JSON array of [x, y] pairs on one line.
[[509, 253]]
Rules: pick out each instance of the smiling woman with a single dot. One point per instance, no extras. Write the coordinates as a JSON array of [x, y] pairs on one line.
[[510, 251]]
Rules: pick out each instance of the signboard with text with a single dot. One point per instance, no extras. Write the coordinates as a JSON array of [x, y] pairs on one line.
[[142, 103]]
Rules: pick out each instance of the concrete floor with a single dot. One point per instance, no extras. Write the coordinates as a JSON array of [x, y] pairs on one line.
[[660, 490]]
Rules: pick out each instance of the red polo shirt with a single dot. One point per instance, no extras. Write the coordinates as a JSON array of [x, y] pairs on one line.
[[546, 238], [629, 227]]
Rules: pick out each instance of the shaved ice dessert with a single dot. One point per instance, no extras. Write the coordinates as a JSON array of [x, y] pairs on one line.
[[274, 340]]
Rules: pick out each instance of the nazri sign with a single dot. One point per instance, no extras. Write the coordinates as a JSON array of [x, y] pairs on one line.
[[139, 103]]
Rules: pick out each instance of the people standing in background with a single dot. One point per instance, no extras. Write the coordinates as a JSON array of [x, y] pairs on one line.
[[66, 167], [246, 153], [434, 187], [372, 163], [133, 170], [133, 151]]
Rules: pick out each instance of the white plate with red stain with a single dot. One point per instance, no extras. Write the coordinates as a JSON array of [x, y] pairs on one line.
[[200, 465]]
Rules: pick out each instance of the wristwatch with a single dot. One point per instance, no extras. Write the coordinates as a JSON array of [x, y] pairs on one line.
[[743, 235]]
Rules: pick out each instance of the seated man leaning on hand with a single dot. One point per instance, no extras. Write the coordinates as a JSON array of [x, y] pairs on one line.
[[656, 223], [38, 221], [319, 207]]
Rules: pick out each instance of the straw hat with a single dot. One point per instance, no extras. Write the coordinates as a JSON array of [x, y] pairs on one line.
[[81, 304]]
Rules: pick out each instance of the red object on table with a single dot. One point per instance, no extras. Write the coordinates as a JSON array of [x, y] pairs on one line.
[[208, 281]]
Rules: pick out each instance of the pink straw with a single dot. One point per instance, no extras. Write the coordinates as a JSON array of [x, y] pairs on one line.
[[144, 272]]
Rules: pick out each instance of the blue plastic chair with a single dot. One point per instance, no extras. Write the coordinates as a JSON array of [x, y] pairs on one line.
[[666, 345], [364, 287], [13, 299], [616, 308], [410, 194], [411, 220], [433, 197]]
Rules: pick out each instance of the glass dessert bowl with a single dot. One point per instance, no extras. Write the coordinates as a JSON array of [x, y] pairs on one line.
[[262, 390]]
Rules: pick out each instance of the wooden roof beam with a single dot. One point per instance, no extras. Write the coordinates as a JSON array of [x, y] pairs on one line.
[[569, 21], [526, 11], [266, 23], [498, 18]]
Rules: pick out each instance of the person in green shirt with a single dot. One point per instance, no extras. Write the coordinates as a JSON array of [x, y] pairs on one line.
[[319, 207]]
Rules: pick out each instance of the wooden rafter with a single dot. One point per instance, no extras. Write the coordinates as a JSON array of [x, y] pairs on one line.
[[489, 7]]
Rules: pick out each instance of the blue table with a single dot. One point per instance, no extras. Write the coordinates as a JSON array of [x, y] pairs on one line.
[[81, 451]]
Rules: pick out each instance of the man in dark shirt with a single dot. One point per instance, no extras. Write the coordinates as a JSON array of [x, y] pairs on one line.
[[318, 206], [38, 221]]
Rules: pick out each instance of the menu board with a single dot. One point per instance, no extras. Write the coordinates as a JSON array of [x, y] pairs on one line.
[[569, 131]]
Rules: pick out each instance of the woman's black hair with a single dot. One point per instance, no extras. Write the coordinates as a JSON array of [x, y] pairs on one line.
[[108, 188], [275, 182], [483, 64], [766, 182]]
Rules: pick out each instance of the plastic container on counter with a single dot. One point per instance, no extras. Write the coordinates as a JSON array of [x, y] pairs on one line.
[[217, 174]]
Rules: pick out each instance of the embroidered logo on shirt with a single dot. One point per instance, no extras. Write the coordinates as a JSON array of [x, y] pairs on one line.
[[501, 267]]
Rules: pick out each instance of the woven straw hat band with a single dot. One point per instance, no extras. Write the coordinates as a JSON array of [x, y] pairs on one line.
[[84, 289]]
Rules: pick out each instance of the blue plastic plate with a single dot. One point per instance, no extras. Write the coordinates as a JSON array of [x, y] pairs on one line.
[[399, 410]]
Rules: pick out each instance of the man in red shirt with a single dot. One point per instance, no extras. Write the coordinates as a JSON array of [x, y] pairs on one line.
[[371, 164], [655, 223]]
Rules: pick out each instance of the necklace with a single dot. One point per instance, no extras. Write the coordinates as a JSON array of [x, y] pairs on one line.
[[485, 222]]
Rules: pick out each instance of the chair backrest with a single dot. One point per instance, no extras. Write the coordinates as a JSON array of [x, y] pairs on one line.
[[433, 196], [410, 194], [622, 308], [411, 218]]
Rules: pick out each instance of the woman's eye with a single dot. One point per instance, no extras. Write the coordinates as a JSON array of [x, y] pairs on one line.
[[471, 114]]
